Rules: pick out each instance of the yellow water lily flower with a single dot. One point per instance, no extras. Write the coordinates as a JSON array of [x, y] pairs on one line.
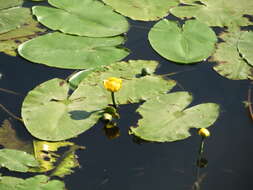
[[204, 132], [113, 84]]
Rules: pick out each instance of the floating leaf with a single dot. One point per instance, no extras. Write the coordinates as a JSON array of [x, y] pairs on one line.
[[10, 140], [245, 46], [145, 10], [13, 18], [230, 64], [165, 118], [135, 87], [60, 117], [16, 160], [10, 3], [216, 13], [9, 183], [10, 41], [81, 17], [49, 114], [73, 52], [39, 182], [193, 42]]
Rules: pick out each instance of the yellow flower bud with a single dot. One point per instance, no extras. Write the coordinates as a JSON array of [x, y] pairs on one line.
[[204, 132], [113, 84]]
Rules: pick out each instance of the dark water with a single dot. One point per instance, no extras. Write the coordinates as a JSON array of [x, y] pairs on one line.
[[122, 163]]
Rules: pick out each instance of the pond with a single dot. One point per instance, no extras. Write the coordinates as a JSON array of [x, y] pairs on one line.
[[128, 163]]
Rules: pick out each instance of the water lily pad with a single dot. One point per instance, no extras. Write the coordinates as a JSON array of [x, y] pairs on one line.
[[165, 119], [10, 3], [245, 46], [16, 160], [216, 13], [135, 87], [73, 52], [39, 182], [230, 64], [49, 114], [145, 10], [81, 17], [9, 183], [193, 42], [10, 41], [13, 18]]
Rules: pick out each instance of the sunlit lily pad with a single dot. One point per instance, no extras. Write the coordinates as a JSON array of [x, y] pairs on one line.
[[9, 183], [10, 41], [49, 114], [166, 119], [39, 182], [10, 3], [13, 18], [135, 87], [16, 160], [230, 64], [73, 52], [145, 10], [216, 13], [193, 42], [245, 46], [81, 17]]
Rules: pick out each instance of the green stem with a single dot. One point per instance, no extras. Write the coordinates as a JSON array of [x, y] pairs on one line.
[[113, 100], [201, 147]]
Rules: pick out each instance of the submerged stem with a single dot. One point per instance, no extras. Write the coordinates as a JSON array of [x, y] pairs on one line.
[[11, 114]]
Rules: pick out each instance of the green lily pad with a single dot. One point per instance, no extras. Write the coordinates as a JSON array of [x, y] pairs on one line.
[[216, 13], [230, 64], [39, 182], [81, 17], [165, 119], [49, 114], [10, 3], [10, 41], [193, 42], [73, 52], [145, 10], [135, 87], [13, 18], [9, 183], [60, 117], [16, 160], [245, 46]]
